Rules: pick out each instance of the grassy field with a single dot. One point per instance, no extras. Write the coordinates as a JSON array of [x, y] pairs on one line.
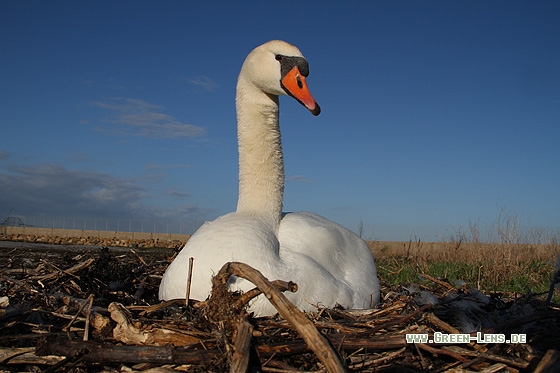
[[516, 263]]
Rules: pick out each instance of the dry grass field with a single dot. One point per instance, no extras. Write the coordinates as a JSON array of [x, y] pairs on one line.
[[516, 263], [505, 257]]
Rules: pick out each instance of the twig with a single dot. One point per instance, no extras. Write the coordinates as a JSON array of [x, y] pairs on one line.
[[324, 351], [67, 327], [127, 331], [111, 353], [240, 358], [279, 284], [500, 359], [437, 351], [398, 321], [25, 355], [96, 314], [439, 282], [69, 271], [555, 280], [189, 280], [156, 307], [549, 363], [384, 359], [58, 269], [450, 329], [139, 257], [422, 359], [87, 315]]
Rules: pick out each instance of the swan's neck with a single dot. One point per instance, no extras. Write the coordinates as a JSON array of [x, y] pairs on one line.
[[261, 165]]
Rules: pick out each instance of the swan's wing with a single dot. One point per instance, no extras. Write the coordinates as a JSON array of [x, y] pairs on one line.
[[233, 237], [339, 251]]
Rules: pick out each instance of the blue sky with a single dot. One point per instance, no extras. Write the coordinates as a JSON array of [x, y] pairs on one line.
[[434, 113]]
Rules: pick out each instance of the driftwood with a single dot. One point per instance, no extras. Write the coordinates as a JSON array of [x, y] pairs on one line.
[[94, 352], [103, 314], [129, 332], [27, 355]]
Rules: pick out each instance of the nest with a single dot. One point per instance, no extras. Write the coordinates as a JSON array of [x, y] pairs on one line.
[[96, 309]]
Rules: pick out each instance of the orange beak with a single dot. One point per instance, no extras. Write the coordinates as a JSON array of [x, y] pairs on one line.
[[294, 84]]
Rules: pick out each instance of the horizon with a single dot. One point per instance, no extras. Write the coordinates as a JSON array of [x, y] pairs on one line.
[[506, 229]]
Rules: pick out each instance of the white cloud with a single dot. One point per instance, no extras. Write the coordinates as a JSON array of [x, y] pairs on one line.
[[136, 117], [157, 166], [49, 189], [176, 193], [204, 82]]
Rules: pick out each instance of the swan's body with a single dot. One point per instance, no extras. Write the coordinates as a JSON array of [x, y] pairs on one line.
[[330, 264]]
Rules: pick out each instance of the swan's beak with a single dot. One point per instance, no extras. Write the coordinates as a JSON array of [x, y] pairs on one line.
[[294, 84]]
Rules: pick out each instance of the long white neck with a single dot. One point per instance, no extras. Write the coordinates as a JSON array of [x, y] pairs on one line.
[[261, 164]]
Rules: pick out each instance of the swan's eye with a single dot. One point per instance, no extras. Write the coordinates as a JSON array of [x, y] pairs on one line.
[[278, 57]]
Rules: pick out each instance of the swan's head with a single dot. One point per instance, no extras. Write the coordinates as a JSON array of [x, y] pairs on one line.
[[278, 68]]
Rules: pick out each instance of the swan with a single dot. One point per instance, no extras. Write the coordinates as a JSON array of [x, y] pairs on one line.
[[331, 265]]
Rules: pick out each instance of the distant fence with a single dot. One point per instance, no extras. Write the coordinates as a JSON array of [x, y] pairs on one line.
[[506, 229], [135, 225]]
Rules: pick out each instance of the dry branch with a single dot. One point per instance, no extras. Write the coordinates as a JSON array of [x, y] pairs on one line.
[[518, 363], [25, 355], [93, 315], [240, 359], [287, 310], [245, 298], [550, 362], [94, 352], [130, 332], [69, 271]]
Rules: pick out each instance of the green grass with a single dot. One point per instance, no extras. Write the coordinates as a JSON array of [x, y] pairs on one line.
[[532, 276], [514, 263]]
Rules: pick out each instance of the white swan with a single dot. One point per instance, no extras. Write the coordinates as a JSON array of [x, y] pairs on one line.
[[330, 264]]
